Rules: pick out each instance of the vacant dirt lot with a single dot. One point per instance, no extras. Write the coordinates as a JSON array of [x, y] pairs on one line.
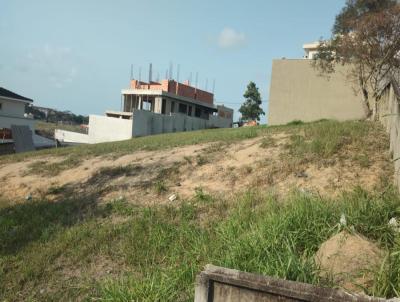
[[148, 177], [98, 222]]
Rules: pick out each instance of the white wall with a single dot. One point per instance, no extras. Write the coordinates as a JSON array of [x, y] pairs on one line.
[[101, 129], [6, 122], [108, 129], [12, 108], [71, 137]]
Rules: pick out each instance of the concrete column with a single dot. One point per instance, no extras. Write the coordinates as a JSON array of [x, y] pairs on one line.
[[131, 103], [168, 106], [157, 104], [123, 102], [202, 288], [140, 103]]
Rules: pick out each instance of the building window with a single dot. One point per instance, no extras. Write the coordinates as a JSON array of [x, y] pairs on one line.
[[147, 105], [182, 108], [1, 106], [172, 107], [190, 111]]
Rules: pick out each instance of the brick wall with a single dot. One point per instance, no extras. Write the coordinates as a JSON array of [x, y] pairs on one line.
[[174, 87]]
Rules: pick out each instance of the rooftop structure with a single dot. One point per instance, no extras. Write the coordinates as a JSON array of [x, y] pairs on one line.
[[310, 49], [167, 97], [7, 94]]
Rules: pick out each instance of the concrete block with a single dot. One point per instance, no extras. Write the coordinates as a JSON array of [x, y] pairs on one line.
[[168, 124], [223, 284], [157, 124]]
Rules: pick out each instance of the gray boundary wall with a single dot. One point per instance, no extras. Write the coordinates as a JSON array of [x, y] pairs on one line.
[[388, 112], [110, 129], [299, 92], [148, 123], [217, 284]]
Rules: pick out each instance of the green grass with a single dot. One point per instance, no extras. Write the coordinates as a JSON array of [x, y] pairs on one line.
[[159, 250], [49, 250], [321, 138], [326, 138], [154, 142]]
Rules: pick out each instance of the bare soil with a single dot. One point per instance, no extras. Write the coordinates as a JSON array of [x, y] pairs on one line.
[[350, 260], [218, 168]]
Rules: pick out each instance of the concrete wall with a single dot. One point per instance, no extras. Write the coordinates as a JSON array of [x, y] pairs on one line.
[[65, 136], [218, 284], [148, 123], [219, 122], [299, 93], [142, 122], [7, 121], [108, 129], [389, 115]]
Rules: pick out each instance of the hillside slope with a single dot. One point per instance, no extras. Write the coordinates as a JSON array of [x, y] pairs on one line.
[[100, 221], [325, 158]]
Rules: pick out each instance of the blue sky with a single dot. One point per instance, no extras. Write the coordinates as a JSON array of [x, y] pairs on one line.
[[76, 55]]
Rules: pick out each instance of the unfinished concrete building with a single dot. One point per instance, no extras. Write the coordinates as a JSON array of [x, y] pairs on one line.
[[154, 108], [168, 97]]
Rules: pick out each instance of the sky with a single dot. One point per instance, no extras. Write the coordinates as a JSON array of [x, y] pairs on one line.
[[76, 55]]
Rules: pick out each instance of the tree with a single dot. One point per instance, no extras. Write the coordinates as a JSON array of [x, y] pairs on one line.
[[366, 36], [251, 108], [356, 10]]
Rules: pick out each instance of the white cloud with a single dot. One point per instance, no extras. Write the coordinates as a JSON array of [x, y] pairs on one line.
[[57, 65], [230, 38]]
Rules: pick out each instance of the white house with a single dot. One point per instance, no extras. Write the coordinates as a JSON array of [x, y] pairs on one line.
[[12, 113], [12, 110]]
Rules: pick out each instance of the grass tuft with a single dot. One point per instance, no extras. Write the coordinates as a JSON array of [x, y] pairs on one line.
[[44, 168], [268, 142], [160, 187]]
